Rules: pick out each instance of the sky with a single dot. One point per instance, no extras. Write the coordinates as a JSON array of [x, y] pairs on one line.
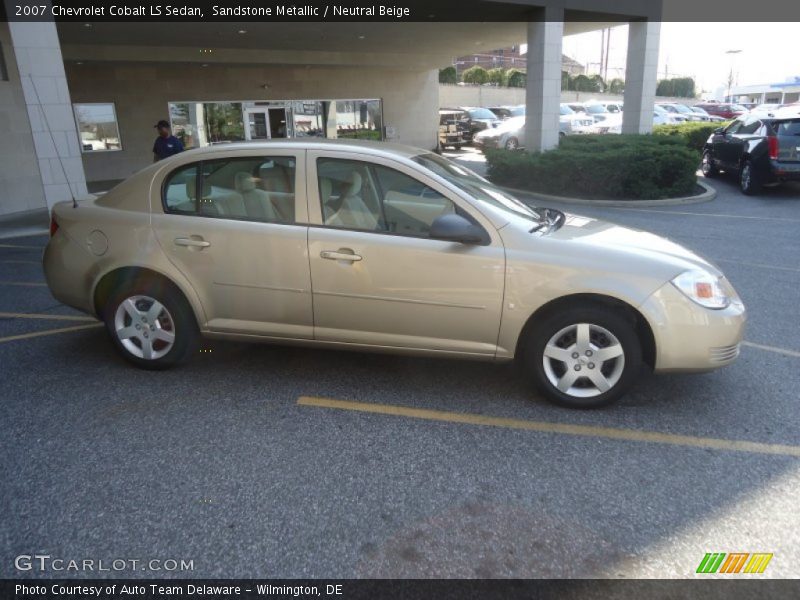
[[769, 52]]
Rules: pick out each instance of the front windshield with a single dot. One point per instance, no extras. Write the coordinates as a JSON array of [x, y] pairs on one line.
[[660, 109], [482, 113], [517, 111], [566, 110], [511, 124], [477, 187], [596, 109], [699, 110], [682, 108]]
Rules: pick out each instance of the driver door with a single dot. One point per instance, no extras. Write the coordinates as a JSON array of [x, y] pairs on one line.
[[378, 279]]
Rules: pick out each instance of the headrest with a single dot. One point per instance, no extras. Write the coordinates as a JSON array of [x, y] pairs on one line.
[[325, 189], [244, 182], [353, 185], [191, 187]]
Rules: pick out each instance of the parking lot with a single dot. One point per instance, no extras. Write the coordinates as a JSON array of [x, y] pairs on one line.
[[268, 461]]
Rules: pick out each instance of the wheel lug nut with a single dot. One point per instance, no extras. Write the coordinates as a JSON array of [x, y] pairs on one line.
[[588, 353], [575, 355], [577, 367], [591, 365], [138, 326]]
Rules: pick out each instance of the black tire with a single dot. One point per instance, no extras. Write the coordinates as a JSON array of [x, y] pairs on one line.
[[512, 143], [176, 318], [748, 179], [623, 374], [708, 166]]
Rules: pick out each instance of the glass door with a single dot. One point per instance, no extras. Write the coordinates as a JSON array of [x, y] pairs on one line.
[[256, 124]]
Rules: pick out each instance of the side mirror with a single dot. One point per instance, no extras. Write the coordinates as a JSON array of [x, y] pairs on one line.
[[455, 228]]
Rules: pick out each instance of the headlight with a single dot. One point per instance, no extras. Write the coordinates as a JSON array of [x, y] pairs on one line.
[[710, 291]]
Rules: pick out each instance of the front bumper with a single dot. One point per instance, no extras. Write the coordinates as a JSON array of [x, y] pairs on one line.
[[689, 337]]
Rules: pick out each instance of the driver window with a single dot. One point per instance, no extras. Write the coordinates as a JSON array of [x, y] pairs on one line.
[[733, 127], [371, 197]]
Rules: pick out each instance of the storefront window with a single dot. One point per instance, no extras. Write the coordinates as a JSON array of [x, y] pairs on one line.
[[97, 125], [199, 124]]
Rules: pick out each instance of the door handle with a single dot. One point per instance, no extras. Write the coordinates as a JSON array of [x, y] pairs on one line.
[[340, 255], [192, 242]]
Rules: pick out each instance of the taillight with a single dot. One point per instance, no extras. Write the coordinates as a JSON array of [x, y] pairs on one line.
[[53, 225], [773, 147]]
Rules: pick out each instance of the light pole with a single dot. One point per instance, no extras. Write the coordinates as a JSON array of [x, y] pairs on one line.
[[732, 54]]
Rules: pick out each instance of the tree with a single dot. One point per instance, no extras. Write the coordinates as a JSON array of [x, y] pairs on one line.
[[516, 78], [679, 87], [616, 86], [581, 83], [448, 75], [496, 76], [597, 83], [476, 74]]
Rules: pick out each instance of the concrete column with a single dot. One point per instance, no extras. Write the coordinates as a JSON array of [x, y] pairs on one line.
[[641, 75], [543, 94], [44, 85]]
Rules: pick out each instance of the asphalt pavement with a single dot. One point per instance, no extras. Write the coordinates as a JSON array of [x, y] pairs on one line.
[[269, 461]]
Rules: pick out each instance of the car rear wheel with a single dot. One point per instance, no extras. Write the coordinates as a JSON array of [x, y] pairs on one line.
[[708, 166], [512, 143], [748, 179], [153, 327], [583, 358]]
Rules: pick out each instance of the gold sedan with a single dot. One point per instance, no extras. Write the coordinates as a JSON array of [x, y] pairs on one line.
[[380, 247]]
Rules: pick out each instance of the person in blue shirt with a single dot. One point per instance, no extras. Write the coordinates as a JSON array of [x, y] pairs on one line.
[[166, 144]]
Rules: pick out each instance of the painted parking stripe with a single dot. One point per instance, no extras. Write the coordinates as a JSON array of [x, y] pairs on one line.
[[22, 262], [628, 435], [45, 316], [24, 283], [775, 349], [35, 334], [698, 214], [21, 246]]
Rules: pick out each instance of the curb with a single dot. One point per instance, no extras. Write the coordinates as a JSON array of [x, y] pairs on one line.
[[707, 196]]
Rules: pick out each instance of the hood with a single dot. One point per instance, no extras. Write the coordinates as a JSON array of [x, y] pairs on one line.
[[603, 237]]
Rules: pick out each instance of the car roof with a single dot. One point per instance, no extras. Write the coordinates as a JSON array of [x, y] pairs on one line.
[[385, 148]]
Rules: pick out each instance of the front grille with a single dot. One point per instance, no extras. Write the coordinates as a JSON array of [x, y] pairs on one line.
[[724, 353]]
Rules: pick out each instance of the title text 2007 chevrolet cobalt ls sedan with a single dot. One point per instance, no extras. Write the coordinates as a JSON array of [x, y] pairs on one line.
[[374, 246]]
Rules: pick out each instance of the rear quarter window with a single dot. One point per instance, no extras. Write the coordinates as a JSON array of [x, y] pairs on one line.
[[788, 128]]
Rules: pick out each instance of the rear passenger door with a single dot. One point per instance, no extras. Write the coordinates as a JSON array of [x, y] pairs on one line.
[[234, 227]]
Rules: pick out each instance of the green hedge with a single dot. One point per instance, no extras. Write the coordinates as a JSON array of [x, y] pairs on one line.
[[694, 134], [619, 167]]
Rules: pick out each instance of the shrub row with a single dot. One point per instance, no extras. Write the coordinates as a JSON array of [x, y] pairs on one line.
[[619, 167], [693, 134]]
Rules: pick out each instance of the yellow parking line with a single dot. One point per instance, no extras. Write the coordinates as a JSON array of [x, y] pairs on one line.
[[24, 283], [26, 336], [775, 349], [21, 246], [629, 435], [45, 316]]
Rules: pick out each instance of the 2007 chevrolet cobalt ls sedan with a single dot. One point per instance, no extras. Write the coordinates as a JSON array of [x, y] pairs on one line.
[[374, 246]]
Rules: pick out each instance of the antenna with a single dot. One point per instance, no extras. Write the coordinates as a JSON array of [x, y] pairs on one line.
[[53, 140]]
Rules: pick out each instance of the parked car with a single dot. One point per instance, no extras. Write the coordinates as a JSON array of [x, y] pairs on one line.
[[766, 107], [604, 121], [763, 149], [571, 122], [685, 111], [722, 109], [506, 112], [510, 134], [371, 246], [706, 116], [453, 128], [478, 119], [665, 117]]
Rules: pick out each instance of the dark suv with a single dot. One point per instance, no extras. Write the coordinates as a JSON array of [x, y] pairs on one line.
[[762, 149]]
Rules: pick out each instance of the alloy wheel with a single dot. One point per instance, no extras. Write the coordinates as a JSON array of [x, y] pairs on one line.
[[583, 360], [746, 177], [144, 327]]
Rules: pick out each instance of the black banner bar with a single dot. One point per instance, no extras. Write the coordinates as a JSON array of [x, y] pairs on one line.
[[386, 589], [397, 10]]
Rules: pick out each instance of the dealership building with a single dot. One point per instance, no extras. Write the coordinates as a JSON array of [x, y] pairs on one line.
[[78, 100]]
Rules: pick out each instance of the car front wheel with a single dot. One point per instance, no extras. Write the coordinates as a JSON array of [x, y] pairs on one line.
[[583, 358], [708, 166], [152, 327], [512, 143]]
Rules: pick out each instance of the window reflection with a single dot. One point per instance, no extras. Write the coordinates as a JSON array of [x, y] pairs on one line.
[[97, 125]]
